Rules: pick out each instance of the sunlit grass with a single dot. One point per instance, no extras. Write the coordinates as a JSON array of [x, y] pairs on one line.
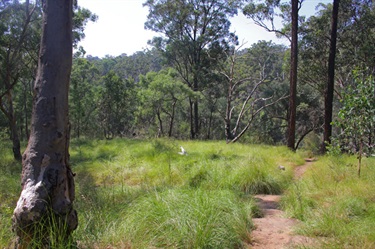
[[124, 177], [125, 187], [187, 219]]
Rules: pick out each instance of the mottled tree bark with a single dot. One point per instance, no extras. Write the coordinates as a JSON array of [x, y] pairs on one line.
[[47, 196]]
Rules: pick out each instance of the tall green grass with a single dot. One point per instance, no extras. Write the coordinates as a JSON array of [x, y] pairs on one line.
[[187, 219], [335, 204], [10, 189], [143, 194]]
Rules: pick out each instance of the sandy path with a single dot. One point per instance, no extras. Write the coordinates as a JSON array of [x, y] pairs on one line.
[[273, 230]]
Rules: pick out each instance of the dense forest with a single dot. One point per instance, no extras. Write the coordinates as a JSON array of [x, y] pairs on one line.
[[198, 82]]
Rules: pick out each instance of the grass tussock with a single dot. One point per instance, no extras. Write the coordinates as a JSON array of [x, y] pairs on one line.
[[335, 204], [143, 194], [187, 219]]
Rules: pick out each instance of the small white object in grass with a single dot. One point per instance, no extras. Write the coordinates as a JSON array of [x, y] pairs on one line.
[[280, 167], [183, 151]]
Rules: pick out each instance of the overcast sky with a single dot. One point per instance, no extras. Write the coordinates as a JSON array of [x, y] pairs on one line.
[[120, 27]]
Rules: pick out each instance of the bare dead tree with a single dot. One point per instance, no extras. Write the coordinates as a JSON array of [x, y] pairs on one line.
[[247, 102]]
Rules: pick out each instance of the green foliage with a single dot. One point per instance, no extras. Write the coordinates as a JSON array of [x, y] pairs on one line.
[[83, 98], [116, 111], [81, 16], [266, 14], [160, 98], [194, 43], [356, 118]]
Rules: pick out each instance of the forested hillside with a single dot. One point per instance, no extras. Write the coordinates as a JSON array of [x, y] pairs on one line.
[[198, 81]]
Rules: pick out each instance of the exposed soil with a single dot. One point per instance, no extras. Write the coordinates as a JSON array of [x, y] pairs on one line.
[[274, 230], [300, 170]]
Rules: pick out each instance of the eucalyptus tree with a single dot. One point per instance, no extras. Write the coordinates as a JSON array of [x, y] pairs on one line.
[[83, 97], [329, 90], [356, 36], [160, 95], [355, 40], [117, 100], [18, 29], [190, 30], [269, 11], [44, 216]]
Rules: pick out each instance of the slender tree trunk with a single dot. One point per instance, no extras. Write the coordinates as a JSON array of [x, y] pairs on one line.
[[196, 119], [9, 112], [293, 78], [16, 146], [171, 121], [328, 93], [161, 129], [360, 158], [208, 136], [192, 131], [44, 211], [26, 113], [228, 118], [196, 115]]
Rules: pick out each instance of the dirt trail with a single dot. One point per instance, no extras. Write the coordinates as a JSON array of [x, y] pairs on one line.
[[273, 230]]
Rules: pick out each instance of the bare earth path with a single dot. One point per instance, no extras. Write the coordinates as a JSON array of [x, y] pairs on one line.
[[273, 230]]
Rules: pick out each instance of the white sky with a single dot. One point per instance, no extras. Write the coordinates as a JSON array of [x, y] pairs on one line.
[[120, 27]]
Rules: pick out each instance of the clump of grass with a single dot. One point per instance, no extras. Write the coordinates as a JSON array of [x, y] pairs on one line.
[[255, 180], [51, 231], [335, 203], [259, 174], [187, 219]]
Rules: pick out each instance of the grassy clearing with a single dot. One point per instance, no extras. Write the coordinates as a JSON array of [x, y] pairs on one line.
[[335, 204], [143, 194]]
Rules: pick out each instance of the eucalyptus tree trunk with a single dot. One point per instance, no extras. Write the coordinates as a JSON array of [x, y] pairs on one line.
[[293, 78], [44, 213], [329, 90]]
